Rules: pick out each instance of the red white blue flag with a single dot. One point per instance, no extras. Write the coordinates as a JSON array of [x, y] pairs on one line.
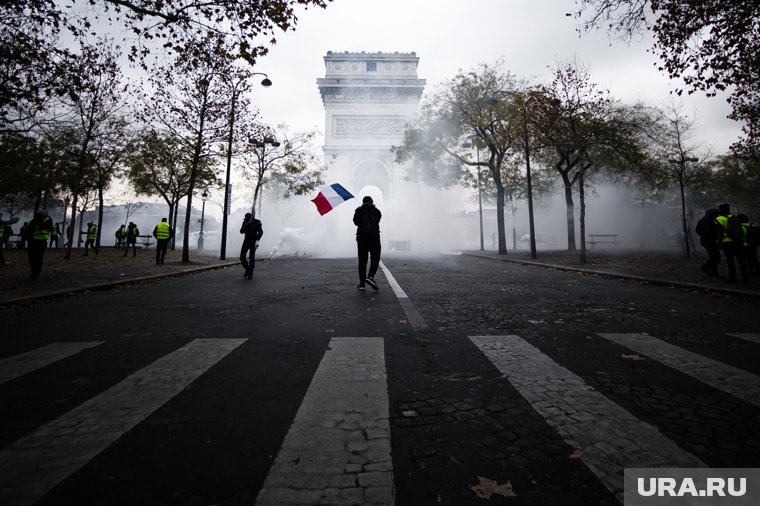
[[330, 197]]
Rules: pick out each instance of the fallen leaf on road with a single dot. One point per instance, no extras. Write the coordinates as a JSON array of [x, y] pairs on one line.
[[486, 488], [577, 454], [632, 357]]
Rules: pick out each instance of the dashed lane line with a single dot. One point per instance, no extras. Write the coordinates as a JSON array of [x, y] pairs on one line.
[[607, 437], [338, 449], [414, 318], [24, 363], [732, 380], [33, 465]]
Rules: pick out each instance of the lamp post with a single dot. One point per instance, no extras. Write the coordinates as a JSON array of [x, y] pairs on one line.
[[204, 196], [261, 159], [681, 162], [227, 190], [480, 192]]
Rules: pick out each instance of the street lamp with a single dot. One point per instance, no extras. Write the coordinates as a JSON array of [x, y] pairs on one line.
[[261, 159], [526, 147], [480, 192], [204, 196], [227, 190]]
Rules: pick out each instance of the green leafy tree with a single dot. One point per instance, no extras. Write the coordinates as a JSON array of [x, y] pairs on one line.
[[463, 111], [159, 165], [580, 128]]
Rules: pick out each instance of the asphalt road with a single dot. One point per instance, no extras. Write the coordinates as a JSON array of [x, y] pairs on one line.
[[459, 378]]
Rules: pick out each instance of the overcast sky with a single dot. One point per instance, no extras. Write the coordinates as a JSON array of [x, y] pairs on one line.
[[449, 35]]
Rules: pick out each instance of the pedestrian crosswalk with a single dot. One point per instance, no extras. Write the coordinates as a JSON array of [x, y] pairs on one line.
[[338, 448]]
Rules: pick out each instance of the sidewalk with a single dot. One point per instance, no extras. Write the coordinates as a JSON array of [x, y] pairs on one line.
[[653, 267], [61, 278]]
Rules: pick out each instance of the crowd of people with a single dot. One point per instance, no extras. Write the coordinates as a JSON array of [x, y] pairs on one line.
[[40, 233], [719, 231], [734, 235]]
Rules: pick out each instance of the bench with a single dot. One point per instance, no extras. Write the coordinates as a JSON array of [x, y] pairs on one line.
[[145, 241], [603, 239]]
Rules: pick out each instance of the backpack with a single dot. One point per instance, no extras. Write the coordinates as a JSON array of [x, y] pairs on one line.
[[734, 230], [368, 225]]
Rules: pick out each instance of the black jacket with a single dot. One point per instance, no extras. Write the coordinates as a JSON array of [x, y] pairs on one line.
[[252, 229], [362, 224]]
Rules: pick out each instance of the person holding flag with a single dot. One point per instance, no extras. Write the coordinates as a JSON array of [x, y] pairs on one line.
[[367, 220]]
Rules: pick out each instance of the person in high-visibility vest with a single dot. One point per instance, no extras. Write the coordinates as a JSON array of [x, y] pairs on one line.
[[130, 236], [54, 235], [37, 232], [3, 238], [732, 246], [92, 235], [162, 232]]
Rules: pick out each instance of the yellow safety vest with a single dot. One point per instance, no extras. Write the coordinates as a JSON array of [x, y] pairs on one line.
[[41, 233], [92, 232], [163, 230]]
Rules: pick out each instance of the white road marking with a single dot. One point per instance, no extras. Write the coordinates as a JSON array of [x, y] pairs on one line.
[[34, 464], [722, 376], [608, 437], [338, 449], [24, 363], [414, 318], [755, 338]]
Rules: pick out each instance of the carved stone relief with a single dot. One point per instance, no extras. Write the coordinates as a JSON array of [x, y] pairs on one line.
[[368, 125]]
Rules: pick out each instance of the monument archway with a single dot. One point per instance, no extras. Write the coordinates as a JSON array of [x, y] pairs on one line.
[[368, 100]]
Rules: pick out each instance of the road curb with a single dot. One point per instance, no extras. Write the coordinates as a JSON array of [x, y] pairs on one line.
[[741, 294]]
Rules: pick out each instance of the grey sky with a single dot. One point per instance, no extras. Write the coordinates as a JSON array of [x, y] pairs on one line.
[[449, 35]]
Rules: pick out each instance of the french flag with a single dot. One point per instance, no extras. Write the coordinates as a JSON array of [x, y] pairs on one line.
[[330, 197]]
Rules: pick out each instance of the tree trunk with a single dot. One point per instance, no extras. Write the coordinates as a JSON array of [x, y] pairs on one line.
[[570, 216], [500, 221], [514, 226], [72, 224], [582, 218], [100, 217], [686, 238]]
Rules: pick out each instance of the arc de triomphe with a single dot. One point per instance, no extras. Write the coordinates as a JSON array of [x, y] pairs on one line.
[[368, 99]]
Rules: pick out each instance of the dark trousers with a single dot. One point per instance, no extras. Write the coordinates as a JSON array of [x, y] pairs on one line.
[[732, 251], [87, 244], [750, 255], [710, 267], [36, 252], [161, 245], [368, 246], [132, 242], [248, 256]]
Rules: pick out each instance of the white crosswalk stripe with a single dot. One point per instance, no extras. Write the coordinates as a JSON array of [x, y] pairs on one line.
[[607, 436], [33, 465], [338, 450], [730, 379], [24, 363], [755, 338]]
